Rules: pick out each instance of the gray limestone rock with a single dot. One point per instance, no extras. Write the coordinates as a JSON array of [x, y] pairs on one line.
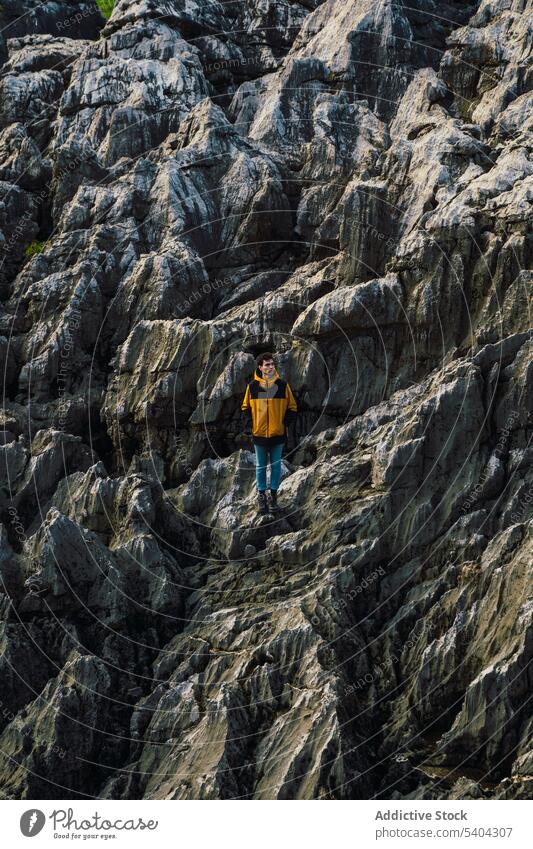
[[182, 187]]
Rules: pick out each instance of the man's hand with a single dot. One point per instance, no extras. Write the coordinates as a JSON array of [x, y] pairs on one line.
[[289, 418]]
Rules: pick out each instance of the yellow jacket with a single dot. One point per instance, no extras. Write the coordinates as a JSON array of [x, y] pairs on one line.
[[272, 406]]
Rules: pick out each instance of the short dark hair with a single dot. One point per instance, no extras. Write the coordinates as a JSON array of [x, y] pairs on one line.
[[262, 357]]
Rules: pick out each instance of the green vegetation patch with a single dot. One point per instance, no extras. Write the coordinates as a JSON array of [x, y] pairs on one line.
[[34, 248]]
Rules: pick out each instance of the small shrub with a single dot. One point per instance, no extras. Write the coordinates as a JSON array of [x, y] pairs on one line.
[[106, 7]]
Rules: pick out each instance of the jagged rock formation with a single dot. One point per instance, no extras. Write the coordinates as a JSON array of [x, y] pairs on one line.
[[348, 183]]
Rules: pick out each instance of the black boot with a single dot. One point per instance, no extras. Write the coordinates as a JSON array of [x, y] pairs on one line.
[[273, 500], [262, 502]]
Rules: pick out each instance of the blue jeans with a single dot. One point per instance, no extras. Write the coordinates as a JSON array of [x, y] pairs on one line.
[[261, 461]]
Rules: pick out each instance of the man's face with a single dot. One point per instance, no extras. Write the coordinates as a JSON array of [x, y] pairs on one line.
[[268, 368]]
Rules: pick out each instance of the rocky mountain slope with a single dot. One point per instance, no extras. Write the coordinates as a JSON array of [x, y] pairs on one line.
[[348, 184]]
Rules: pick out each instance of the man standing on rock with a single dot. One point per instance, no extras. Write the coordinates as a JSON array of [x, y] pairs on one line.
[[271, 403]]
